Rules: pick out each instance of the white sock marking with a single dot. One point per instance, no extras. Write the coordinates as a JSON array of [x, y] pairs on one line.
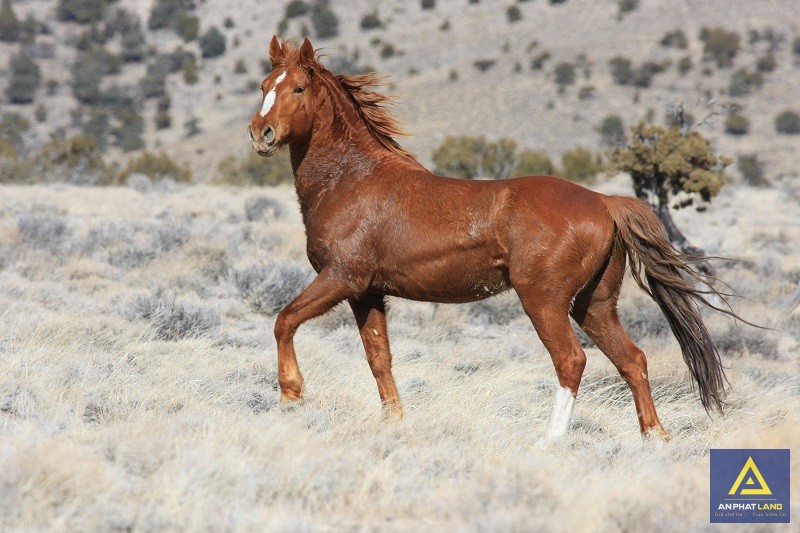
[[562, 413], [269, 98]]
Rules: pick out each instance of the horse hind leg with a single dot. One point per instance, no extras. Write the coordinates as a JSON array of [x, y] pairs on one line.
[[595, 311], [555, 331]]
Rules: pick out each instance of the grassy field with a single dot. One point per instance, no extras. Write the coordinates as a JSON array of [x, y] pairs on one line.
[[138, 381]]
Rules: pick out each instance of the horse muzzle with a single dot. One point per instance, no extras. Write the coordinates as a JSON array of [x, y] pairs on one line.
[[263, 142]]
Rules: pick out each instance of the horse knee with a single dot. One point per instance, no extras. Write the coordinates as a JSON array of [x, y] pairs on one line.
[[634, 368], [284, 326], [569, 368]]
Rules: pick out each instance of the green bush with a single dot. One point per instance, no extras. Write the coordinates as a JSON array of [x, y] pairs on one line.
[[612, 131], [133, 43], [128, 134], [156, 166], [98, 126], [531, 163], [255, 170], [471, 157], [626, 6], [428, 4], [685, 64], [25, 78], [737, 124], [10, 27], [796, 46], [324, 20], [767, 62], [538, 61], [720, 45], [580, 165], [513, 14], [212, 43], [788, 123]]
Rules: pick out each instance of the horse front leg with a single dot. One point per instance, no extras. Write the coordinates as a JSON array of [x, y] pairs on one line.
[[370, 314], [321, 296]]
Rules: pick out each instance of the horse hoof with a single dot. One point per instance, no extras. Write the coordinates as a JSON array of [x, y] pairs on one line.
[[290, 406], [657, 433]]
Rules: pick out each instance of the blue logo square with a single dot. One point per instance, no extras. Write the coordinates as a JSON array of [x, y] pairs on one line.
[[750, 486]]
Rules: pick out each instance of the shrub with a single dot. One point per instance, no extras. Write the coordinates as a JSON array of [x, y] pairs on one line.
[[154, 83], [156, 166], [532, 163], [133, 43], [189, 70], [428, 4], [580, 165], [387, 51], [296, 8], [255, 170], [788, 123], [513, 14], [81, 11], [675, 38], [212, 43], [43, 231], [324, 20], [240, 67], [612, 131], [128, 134], [720, 45], [744, 82], [76, 159], [188, 28], [472, 157], [767, 62], [165, 13], [737, 124], [564, 73], [626, 6], [86, 79], [228, 23], [484, 64], [9, 24], [685, 64], [171, 320], [752, 170], [260, 207], [621, 70], [24, 80], [586, 92], [371, 21], [538, 61], [269, 287], [796, 46]]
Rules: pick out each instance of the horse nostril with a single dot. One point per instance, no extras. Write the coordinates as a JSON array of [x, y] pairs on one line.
[[268, 135]]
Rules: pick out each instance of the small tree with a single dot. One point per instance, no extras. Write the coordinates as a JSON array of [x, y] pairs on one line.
[[612, 132], [737, 124], [580, 165], [670, 169], [564, 73], [24, 80]]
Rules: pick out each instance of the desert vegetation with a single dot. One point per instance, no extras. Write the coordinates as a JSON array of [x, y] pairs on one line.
[[145, 252]]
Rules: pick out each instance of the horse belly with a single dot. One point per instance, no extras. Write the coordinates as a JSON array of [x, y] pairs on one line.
[[465, 276]]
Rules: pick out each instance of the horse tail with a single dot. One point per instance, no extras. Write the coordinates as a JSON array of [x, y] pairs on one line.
[[664, 274]]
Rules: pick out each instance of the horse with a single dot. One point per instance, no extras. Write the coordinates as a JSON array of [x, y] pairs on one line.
[[380, 224]]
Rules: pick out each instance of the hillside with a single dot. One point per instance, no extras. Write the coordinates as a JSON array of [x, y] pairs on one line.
[[460, 67]]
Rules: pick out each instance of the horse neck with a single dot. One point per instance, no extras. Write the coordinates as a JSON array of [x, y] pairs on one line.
[[340, 147]]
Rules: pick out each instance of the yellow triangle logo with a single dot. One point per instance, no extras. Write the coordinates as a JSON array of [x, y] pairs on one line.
[[750, 466]]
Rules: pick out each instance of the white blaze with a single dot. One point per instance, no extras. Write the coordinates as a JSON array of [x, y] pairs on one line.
[[269, 99], [562, 413]]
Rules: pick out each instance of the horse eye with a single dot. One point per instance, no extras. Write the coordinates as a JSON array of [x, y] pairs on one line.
[[299, 90]]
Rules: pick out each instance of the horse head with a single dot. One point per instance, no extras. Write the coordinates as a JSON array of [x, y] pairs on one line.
[[286, 111]]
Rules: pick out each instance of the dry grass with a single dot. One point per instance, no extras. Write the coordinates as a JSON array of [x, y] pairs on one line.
[[110, 419]]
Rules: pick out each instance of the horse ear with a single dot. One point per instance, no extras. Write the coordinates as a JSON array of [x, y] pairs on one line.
[[276, 53], [306, 52]]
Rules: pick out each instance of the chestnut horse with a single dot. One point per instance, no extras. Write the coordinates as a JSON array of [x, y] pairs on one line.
[[379, 224]]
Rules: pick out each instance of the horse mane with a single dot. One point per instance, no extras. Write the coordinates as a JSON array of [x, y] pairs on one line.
[[370, 105]]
